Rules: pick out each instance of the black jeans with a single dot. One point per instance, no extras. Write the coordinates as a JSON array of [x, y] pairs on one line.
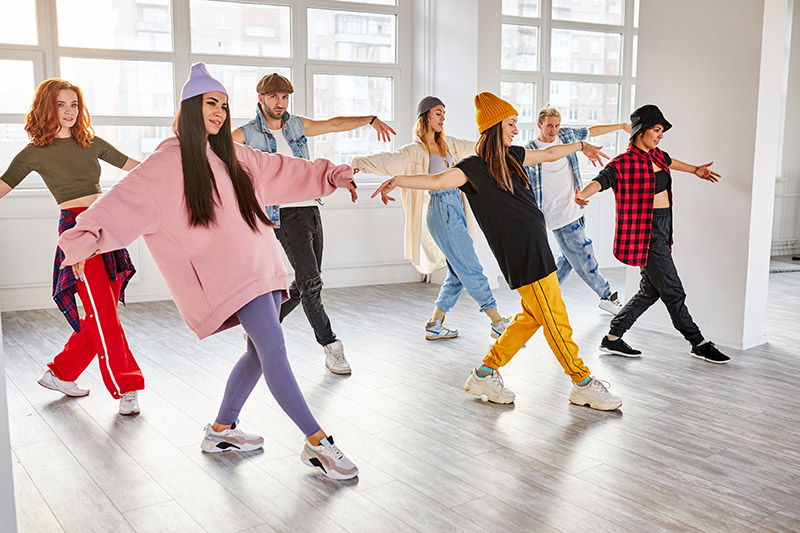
[[659, 280], [300, 234]]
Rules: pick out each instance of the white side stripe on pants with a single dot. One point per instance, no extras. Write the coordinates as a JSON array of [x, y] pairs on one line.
[[102, 337]]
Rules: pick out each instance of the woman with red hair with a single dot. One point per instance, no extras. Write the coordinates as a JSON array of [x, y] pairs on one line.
[[65, 152]]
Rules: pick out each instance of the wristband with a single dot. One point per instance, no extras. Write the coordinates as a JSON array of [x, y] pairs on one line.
[[581, 145], [373, 119]]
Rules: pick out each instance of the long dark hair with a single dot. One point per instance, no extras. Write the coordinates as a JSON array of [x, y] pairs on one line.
[[501, 165], [200, 191]]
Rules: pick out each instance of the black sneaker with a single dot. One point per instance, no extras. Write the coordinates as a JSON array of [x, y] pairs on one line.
[[618, 347], [710, 353]]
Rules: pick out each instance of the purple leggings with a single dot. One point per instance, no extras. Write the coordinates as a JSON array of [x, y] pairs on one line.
[[266, 354]]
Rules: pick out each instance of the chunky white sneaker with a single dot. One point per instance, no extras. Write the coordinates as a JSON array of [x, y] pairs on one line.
[[594, 394], [70, 388], [434, 330], [129, 403], [328, 459], [334, 358], [500, 327], [230, 439], [611, 304], [491, 387]]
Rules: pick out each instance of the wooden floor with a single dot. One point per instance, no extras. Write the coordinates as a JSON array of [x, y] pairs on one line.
[[695, 447]]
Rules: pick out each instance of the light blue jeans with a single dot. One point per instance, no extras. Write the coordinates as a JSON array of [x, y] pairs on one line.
[[448, 227], [577, 253]]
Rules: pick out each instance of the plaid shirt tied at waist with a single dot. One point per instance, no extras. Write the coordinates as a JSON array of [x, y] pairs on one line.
[[117, 262], [633, 179]]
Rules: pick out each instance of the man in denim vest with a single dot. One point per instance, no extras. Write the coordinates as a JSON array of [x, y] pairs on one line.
[[299, 227], [554, 187]]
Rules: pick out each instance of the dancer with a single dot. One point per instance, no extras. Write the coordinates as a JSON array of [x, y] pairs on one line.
[[553, 187], [434, 152], [197, 200], [65, 152], [499, 194], [299, 225], [642, 185]]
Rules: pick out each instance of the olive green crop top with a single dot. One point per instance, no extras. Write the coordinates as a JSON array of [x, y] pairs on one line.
[[69, 170]]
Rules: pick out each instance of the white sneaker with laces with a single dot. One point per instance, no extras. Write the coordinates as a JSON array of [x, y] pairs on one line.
[[490, 386], [328, 459], [70, 388], [334, 358], [129, 403], [500, 327], [595, 395], [435, 330], [230, 439], [611, 304]]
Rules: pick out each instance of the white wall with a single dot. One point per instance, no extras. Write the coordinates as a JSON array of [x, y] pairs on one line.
[[717, 77], [8, 512]]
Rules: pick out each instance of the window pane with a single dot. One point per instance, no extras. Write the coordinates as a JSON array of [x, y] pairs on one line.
[[18, 86], [241, 29], [520, 49], [584, 103], [18, 22], [597, 11], [522, 95], [633, 98], [344, 95], [241, 81], [634, 54], [115, 24], [521, 8], [636, 14], [13, 139], [121, 87], [585, 52], [381, 2], [136, 142], [351, 36]]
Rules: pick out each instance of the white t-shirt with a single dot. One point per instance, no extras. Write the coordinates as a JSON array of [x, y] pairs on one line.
[[558, 191], [282, 147]]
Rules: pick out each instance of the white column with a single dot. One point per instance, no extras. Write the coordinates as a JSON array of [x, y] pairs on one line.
[[717, 74]]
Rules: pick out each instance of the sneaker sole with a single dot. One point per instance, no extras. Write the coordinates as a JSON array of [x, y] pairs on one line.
[[333, 474], [610, 308], [596, 408], [708, 360], [436, 338], [129, 413], [340, 372], [614, 352], [50, 387], [478, 395], [231, 448]]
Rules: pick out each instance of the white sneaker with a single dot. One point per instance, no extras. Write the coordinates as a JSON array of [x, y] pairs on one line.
[[500, 327], [490, 387], [70, 388], [129, 403], [230, 439], [328, 459], [334, 358], [594, 394], [434, 330], [611, 304]]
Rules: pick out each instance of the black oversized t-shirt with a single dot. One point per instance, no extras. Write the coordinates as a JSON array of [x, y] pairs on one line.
[[513, 225]]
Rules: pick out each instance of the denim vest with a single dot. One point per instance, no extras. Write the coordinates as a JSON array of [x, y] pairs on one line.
[[258, 136]]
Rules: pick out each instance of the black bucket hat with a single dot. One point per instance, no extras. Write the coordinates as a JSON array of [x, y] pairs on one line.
[[646, 117]]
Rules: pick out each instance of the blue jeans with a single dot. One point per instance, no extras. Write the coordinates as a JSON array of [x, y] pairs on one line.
[[577, 253], [448, 227]]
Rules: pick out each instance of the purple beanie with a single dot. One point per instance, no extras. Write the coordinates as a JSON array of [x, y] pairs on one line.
[[200, 82]]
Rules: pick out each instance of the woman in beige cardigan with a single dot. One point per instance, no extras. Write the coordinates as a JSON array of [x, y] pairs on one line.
[[446, 221]]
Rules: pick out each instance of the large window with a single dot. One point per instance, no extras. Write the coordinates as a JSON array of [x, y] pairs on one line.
[[576, 55], [131, 58]]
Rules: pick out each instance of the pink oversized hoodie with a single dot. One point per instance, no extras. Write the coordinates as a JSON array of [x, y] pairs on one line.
[[211, 272]]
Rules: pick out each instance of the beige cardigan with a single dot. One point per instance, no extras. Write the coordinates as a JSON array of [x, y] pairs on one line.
[[413, 158]]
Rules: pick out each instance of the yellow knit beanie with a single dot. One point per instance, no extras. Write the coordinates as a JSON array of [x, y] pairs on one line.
[[490, 109]]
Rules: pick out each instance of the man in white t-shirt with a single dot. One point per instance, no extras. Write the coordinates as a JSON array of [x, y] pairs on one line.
[[553, 187], [299, 225]]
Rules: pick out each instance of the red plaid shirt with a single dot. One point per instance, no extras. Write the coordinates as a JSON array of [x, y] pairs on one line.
[[631, 176]]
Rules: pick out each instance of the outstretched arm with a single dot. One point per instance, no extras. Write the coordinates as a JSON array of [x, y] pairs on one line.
[[594, 131], [448, 179], [5, 188], [582, 195], [319, 127], [130, 164], [702, 172], [554, 153]]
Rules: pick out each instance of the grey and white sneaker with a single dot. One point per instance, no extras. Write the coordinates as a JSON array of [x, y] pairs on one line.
[[435, 330], [500, 327], [491, 387], [230, 439], [334, 358], [595, 395], [611, 304], [328, 459], [129, 403], [70, 388]]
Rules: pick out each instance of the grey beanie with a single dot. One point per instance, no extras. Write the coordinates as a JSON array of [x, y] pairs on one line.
[[428, 103]]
